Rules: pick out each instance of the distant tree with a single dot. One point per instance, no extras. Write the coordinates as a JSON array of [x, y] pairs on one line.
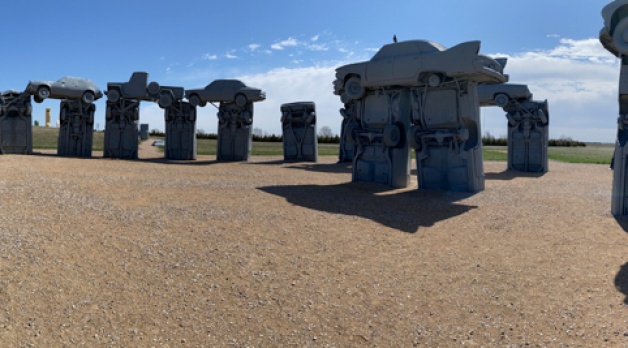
[[36, 123], [325, 132]]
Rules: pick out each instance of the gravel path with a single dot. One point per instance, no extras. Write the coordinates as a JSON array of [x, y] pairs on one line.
[[101, 252]]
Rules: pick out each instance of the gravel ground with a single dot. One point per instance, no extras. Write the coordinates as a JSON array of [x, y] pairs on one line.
[[100, 252]]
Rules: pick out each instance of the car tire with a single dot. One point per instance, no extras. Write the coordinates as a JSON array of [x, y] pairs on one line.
[[43, 92], [620, 36], [165, 100], [88, 97], [37, 99], [153, 88], [392, 135], [113, 96], [194, 100], [353, 88], [413, 142], [240, 100], [501, 100]]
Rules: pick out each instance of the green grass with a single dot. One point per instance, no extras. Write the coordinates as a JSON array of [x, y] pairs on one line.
[[592, 153], [208, 147], [46, 138]]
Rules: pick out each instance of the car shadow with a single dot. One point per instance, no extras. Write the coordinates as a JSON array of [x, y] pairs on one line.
[[622, 221], [341, 167], [177, 162], [406, 211], [621, 281], [511, 175]]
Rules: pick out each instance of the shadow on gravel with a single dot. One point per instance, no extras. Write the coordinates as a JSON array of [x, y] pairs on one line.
[[311, 167], [180, 163], [621, 281], [405, 211], [342, 167], [511, 175]]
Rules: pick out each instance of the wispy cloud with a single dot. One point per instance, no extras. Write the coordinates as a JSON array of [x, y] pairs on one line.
[[314, 38], [254, 47], [231, 55], [290, 42], [208, 56]]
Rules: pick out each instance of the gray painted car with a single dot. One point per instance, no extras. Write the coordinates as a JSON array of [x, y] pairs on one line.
[[614, 34], [501, 94], [67, 87], [415, 63], [228, 91]]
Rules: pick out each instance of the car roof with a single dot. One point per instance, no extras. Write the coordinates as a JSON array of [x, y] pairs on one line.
[[229, 82], [408, 47]]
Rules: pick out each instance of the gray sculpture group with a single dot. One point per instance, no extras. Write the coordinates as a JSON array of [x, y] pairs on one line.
[[412, 95], [420, 95]]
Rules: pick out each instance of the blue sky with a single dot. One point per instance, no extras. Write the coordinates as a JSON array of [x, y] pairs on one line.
[[290, 50]]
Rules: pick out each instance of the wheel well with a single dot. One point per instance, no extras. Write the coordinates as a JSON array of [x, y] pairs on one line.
[[618, 15]]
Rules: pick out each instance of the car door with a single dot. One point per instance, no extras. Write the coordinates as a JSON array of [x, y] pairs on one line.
[[379, 70], [214, 91], [407, 63]]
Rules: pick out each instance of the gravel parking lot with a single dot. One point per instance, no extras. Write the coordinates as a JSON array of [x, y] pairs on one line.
[[101, 252]]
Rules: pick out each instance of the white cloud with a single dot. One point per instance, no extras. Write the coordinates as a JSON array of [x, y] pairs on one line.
[[290, 42], [208, 56], [253, 47], [284, 85], [314, 38], [230, 55]]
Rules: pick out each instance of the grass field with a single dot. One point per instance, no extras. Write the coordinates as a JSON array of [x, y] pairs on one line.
[[46, 138]]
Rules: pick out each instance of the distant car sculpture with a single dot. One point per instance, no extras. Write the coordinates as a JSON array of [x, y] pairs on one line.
[[416, 62], [224, 91], [528, 125], [15, 123], [65, 88], [501, 94]]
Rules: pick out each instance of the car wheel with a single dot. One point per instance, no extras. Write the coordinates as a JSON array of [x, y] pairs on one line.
[[620, 36], [392, 135], [113, 96], [501, 100], [88, 97], [43, 92], [194, 100], [413, 142], [354, 88], [37, 99], [153, 88], [165, 100], [240, 100]]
